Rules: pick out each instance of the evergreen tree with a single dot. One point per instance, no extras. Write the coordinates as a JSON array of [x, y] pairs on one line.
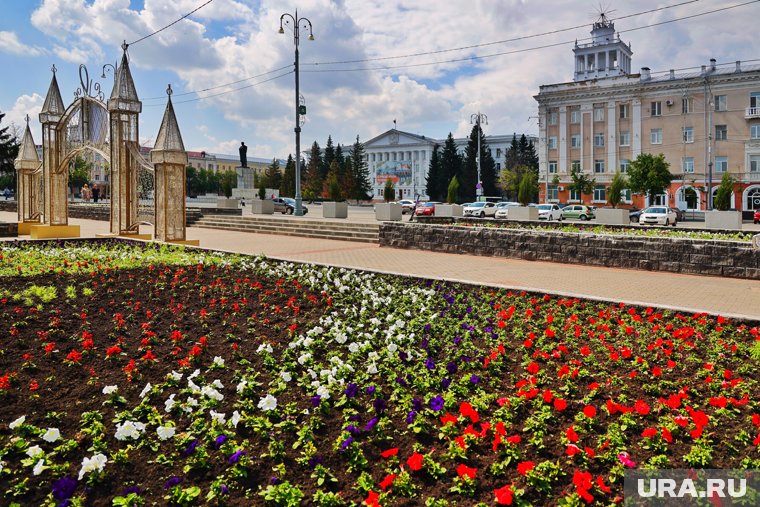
[[512, 157], [329, 156], [451, 162], [435, 182], [332, 178], [362, 183], [615, 192], [488, 170], [389, 191], [452, 190], [313, 174], [469, 179], [723, 196], [192, 185], [339, 156], [288, 183], [273, 175], [528, 188], [347, 181], [9, 146], [531, 156]]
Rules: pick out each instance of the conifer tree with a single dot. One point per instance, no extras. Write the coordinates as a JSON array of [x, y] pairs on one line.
[[313, 174], [362, 183], [9, 146], [451, 161], [434, 178], [327, 158], [347, 181], [273, 175], [469, 178], [288, 183]]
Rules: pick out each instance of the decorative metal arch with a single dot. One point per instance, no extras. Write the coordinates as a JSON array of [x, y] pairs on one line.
[[83, 127]]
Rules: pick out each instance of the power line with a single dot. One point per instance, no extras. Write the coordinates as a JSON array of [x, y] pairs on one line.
[[692, 16], [172, 23], [552, 32]]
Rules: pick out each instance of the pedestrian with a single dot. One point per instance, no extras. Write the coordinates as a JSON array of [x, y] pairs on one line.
[[414, 210], [95, 192], [6, 193], [85, 193]]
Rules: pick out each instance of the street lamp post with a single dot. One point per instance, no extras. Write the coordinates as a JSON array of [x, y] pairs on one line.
[[300, 110], [477, 119]]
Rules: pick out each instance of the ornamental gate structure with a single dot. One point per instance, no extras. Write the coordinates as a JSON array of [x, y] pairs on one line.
[[110, 130]]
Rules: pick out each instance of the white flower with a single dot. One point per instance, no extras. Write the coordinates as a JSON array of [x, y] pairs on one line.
[[165, 432], [110, 390], [212, 393], [218, 384], [176, 376], [264, 347], [146, 390], [235, 419], [372, 369], [193, 386], [95, 464], [392, 347], [285, 375], [219, 417], [51, 435], [2, 464], [38, 467], [353, 347], [241, 385], [341, 338], [323, 392], [303, 358], [34, 451], [129, 429], [218, 361], [268, 403], [194, 374], [169, 404], [18, 422]]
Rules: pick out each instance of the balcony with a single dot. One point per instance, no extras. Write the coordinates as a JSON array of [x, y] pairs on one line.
[[752, 113]]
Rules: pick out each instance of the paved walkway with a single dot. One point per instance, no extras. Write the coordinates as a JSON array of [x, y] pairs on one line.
[[725, 296]]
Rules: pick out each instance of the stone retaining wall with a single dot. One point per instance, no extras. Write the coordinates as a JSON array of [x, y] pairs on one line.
[[677, 255], [8, 230]]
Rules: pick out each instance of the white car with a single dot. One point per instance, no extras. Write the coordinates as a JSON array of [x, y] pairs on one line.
[[549, 212], [502, 209], [407, 206], [658, 215], [480, 209]]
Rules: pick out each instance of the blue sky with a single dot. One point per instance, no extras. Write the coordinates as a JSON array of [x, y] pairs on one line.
[[234, 40]]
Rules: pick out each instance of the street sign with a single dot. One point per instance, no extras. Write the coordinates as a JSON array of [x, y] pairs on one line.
[[301, 109]]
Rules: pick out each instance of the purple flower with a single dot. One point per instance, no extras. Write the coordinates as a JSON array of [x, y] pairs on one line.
[[190, 449], [452, 367], [316, 460], [427, 328], [173, 481], [403, 355], [64, 488], [457, 340], [355, 417], [371, 424], [236, 457], [437, 403], [351, 390], [410, 417], [445, 383], [223, 489], [371, 390], [353, 429], [131, 489], [429, 364], [316, 400], [347, 442], [219, 441], [379, 404], [274, 480], [401, 381], [474, 379], [417, 404], [424, 343]]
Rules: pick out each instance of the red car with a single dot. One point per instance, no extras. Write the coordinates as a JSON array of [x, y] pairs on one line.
[[756, 217], [425, 209]]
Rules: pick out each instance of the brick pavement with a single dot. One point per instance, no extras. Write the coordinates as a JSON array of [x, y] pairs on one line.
[[729, 297]]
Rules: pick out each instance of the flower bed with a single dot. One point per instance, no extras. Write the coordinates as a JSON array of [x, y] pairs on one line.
[[137, 374]]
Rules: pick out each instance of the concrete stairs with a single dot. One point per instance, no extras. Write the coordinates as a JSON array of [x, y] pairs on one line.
[[293, 226]]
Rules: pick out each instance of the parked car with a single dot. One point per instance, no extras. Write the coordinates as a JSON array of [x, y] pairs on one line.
[[658, 215], [680, 214], [634, 214], [549, 212], [287, 205], [756, 217], [480, 209], [578, 211], [407, 206], [426, 209], [502, 209]]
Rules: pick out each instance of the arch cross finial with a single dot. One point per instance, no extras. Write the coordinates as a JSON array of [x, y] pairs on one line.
[[169, 90], [27, 120], [54, 69]]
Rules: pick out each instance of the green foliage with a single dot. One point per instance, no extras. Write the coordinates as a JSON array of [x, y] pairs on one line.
[[362, 188], [649, 174], [227, 181], [434, 183], [451, 162], [332, 184], [581, 182], [79, 172], [273, 175], [9, 146], [389, 191], [723, 196], [451, 196], [283, 495], [313, 178], [288, 181], [528, 188], [615, 192]]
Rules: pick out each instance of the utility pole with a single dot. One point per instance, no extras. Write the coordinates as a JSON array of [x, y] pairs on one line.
[[477, 119]]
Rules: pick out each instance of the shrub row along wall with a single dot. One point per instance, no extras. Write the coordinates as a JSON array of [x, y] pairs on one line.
[[677, 255]]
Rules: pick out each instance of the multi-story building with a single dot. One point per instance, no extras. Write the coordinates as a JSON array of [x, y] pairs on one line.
[[705, 122], [405, 158]]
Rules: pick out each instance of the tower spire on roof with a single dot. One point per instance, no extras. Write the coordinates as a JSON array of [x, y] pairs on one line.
[[124, 85], [53, 105], [27, 152], [169, 137]]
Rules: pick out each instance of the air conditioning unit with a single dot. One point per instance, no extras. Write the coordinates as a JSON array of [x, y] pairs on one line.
[[668, 103], [561, 188]]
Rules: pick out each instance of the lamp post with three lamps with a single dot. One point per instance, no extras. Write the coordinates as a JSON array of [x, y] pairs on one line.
[[300, 109]]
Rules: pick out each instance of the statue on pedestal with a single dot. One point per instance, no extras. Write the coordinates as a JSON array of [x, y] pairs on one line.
[[243, 151]]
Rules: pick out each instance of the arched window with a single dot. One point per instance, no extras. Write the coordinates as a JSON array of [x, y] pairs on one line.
[[753, 198]]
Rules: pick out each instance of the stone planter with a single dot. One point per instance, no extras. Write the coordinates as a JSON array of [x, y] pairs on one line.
[[612, 216], [262, 206], [449, 210], [387, 212], [223, 202], [723, 220], [522, 213], [331, 209]]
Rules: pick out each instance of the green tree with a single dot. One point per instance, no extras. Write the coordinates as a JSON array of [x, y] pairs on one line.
[[528, 155], [451, 162], [313, 175], [723, 196], [273, 175], [389, 191], [288, 183], [328, 157], [347, 181], [520, 158], [362, 183], [469, 174], [581, 182], [615, 192], [528, 188], [79, 173], [649, 174], [9, 146], [331, 188], [227, 181], [453, 190], [434, 180], [192, 184]]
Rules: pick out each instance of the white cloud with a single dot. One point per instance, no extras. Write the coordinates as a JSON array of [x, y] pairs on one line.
[[9, 43], [26, 104]]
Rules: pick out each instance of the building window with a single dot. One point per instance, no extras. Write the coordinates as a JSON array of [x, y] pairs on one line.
[[753, 199], [553, 166], [754, 102], [575, 165], [625, 195], [552, 118], [624, 165], [720, 103], [721, 132], [598, 114], [97, 177], [575, 116], [575, 141], [623, 108], [687, 164], [655, 136], [574, 195], [598, 166], [688, 134], [754, 131], [625, 139], [498, 166], [687, 105], [600, 193], [754, 163], [553, 193], [721, 164], [553, 142], [498, 152], [598, 140], [656, 109]]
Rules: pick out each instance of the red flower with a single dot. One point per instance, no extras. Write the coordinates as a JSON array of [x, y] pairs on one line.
[[582, 481], [681, 421], [504, 495], [585, 351], [465, 471], [390, 452], [415, 461], [589, 411], [600, 483], [149, 356], [667, 435], [649, 432], [371, 499], [548, 396], [112, 351], [448, 418], [560, 404], [387, 481], [756, 419], [467, 411], [572, 450], [74, 356], [571, 434], [533, 368], [657, 371], [525, 467], [641, 407], [514, 439]]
